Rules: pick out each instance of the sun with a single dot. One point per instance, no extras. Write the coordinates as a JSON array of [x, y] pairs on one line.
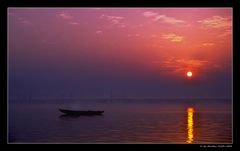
[[189, 74]]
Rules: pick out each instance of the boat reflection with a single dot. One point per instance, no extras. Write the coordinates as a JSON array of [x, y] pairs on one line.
[[66, 116], [190, 125]]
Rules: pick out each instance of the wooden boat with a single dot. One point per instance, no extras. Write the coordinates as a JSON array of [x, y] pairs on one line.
[[78, 113]]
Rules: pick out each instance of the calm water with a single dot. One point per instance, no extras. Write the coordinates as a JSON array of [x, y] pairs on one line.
[[168, 121]]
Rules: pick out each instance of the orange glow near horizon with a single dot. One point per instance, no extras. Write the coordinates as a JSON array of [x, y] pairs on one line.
[[190, 124]]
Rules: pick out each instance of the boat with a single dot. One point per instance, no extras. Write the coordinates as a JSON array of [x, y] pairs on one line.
[[78, 113]]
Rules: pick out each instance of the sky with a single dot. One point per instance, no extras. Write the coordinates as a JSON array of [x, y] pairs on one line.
[[133, 52]]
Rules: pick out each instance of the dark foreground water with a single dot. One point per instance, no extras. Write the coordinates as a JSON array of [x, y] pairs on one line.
[[139, 121]]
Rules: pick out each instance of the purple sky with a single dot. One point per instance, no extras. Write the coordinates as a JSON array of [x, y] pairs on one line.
[[135, 52]]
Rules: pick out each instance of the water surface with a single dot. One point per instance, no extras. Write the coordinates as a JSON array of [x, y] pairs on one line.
[[138, 121]]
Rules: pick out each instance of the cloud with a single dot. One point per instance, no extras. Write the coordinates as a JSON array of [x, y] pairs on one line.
[[174, 64], [169, 20], [163, 18], [191, 62], [172, 37], [208, 44], [111, 17], [99, 32], [216, 22], [149, 14], [69, 18], [115, 20], [225, 33], [65, 16], [177, 64], [73, 23]]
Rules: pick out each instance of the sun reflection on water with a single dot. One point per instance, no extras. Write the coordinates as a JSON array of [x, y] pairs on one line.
[[190, 124]]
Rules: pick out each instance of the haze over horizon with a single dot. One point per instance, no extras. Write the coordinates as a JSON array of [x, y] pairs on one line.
[[135, 52]]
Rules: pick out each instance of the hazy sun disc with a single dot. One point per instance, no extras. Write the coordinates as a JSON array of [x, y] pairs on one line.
[[189, 74]]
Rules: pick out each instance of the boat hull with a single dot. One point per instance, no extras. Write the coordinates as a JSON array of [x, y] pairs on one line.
[[78, 113]]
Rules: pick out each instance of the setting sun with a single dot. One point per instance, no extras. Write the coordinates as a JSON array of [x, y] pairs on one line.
[[189, 74]]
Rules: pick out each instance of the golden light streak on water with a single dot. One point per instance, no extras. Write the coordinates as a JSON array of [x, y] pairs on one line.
[[190, 124]]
